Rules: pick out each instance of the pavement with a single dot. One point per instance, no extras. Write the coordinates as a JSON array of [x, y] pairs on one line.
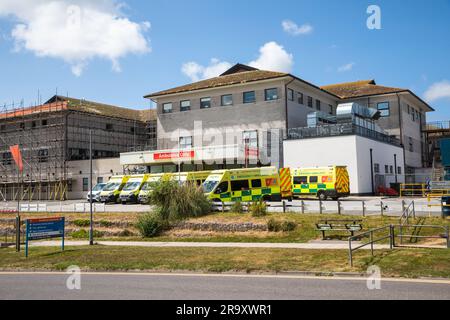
[[316, 245], [203, 287]]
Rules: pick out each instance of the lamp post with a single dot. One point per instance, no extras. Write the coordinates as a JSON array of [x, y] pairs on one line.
[[91, 231]]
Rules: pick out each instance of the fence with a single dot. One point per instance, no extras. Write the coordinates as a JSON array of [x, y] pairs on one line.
[[58, 207], [421, 190], [392, 235], [8, 234]]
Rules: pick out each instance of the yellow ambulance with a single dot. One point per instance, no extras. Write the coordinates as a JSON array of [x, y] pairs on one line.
[[323, 182], [113, 189], [146, 188], [195, 177], [130, 192], [243, 185]]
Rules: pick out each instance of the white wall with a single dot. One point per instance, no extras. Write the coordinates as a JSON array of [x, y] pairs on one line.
[[350, 151]]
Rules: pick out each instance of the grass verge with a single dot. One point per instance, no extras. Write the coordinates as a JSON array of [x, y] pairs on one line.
[[399, 263]]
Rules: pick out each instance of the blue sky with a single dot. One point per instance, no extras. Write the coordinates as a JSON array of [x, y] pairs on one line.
[[411, 50]]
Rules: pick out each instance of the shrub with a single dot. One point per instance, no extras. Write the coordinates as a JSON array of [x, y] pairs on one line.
[[273, 225], [237, 207], [174, 202], [82, 223], [288, 226], [258, 209], [285, 226], [84, 234], [105, 224], [126, 233], [150, 225]]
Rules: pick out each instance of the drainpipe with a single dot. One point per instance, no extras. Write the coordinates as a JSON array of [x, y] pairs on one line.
[[371, 171], [395, 168], [286, 104]]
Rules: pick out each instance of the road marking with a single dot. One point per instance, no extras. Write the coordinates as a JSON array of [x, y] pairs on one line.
[[194, 275]]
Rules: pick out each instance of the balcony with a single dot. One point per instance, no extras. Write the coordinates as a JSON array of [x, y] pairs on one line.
[[337, 130]]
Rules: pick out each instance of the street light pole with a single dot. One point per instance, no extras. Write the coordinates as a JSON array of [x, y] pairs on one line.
[[91, 231]]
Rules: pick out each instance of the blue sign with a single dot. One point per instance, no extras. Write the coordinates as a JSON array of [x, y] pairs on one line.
[[41, 229]]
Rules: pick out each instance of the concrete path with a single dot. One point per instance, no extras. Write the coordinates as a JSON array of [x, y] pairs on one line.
[[319, 245]]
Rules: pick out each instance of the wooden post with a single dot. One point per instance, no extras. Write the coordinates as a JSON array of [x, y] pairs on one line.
[[303, 207], [382, 208], [339, 207], [364, 208], [321, 208], [284, 206]]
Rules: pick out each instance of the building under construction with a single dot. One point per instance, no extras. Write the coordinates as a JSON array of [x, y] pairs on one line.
[[54, 135]]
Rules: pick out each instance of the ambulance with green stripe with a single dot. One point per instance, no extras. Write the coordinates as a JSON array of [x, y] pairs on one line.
[[243, 185], [323, 182], [113, 188], [146, 188], [130, 192], [198, 177]]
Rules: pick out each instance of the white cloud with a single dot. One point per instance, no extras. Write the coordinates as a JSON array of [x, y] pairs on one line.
[[198, 72], [346, 67], [438, 91], [293, 29], [75, 31], [273, 57]]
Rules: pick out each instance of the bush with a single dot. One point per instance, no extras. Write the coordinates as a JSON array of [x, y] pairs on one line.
[[84, 234], [237, 207], [176, 202], [258, 209], [285, 226], [82, 223], [150, 225], [105, 224], [288, 226]]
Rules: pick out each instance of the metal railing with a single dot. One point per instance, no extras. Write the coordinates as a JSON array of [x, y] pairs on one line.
[[392, 236], [372, 241], [341, 129]]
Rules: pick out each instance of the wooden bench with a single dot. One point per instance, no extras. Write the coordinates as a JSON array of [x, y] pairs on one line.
[[350, 226]]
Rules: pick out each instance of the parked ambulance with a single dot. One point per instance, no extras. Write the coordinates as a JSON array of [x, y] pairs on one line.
[[143, 197], [113, 188], [322, 182], [130, 192], [243, 185]]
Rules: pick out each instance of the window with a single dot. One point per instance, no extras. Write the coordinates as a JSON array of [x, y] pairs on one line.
[[2, 128], [99, 180], [7, 159], [167, 108], [44, 123], [391, 169], [300, 98], [301, 180], [222, 188], [271, 94], [376, 168], [186, 143], [227, 100], [250, 139], [313, 179], [205, 103], [318, 105], [249, 97], [256, 184], [291, 95], [384, 109], [22, 126], [409, 109], [43, 155], [185, 105], [240, 185], [133, 130], [310, 102], [331, 109], [386, 169], [411, 144], [399, 170], [85, 184], [33, 124], [109, 127]]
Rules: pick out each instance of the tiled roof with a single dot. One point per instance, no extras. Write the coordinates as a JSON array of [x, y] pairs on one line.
[[360, 89], [101, 109], [224, 80]]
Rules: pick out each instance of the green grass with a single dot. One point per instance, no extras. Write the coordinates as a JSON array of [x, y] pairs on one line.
[[398, 263]]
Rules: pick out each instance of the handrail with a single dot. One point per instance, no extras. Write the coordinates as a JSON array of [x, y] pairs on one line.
[[407, 213], [371, 242]]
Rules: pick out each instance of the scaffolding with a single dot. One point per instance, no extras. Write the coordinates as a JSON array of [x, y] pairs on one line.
[[52, 135]]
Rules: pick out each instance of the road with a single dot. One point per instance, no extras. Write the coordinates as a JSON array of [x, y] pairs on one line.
[[31, 286]]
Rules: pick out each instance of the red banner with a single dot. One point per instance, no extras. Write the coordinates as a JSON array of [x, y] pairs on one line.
[[174, 155], [17, 156]]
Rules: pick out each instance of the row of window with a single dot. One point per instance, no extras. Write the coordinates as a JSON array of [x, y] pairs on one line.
[[249, 139], [310, 101], [415, 114], [387, 169], [225, 100]]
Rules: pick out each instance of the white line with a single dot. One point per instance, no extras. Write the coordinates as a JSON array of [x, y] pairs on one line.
[[194, 275]]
